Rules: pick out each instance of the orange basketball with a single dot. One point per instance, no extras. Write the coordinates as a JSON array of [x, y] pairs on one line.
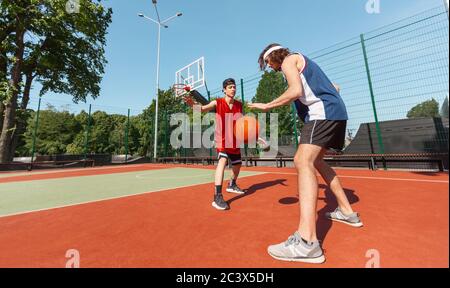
[[246, 129]]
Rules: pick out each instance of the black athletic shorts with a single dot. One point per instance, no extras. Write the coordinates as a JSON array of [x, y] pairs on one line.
[[324, 133], [233, 159]]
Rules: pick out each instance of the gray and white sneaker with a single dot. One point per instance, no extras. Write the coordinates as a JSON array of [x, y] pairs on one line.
[[219, 203], [339, 216], [295, 249], [235, 189]]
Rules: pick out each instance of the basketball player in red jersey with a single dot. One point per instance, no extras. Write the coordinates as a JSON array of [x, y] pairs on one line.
[[228, 110]]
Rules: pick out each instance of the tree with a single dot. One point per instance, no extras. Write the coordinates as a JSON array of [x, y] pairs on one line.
[[102, 126], [63, 51], [56, 130], [444, 108], [77, 147], [271, 86], [168, 104], [428, 108], [134, 138], [117, 134], [60, 134]]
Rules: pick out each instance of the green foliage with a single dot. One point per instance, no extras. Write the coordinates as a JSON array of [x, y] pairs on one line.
[[63, 51], [61, 132], [168, 104], [271, 86], [428, 108], [23, 116], [56, 130], [5, 91]]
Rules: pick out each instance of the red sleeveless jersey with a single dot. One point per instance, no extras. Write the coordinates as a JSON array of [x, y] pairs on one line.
[[225, 122]]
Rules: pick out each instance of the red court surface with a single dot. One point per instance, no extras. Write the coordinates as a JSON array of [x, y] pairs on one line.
[[405, 215]]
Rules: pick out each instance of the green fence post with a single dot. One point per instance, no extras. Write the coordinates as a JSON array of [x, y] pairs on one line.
[[126, 136], [150, 122], [35, 132], [209, 100], [184, 148], [243, 110], [166, 133], [369, 78], [294, 124], [86, 138]]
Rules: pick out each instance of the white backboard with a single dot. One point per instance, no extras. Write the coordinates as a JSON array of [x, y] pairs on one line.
[[192, 75]]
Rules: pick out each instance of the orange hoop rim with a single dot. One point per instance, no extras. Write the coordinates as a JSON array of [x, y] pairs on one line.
[[181, 89]]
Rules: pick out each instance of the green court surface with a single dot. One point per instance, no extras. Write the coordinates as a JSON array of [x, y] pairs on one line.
[[27, 196]]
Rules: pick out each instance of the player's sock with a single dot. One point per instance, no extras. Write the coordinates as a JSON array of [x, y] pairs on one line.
[[232, 183], [218, 189]]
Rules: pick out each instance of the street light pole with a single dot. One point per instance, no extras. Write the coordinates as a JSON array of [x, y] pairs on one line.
[[155, 144], [159, 23]]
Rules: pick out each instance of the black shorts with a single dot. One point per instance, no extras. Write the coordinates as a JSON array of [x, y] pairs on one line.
[[324, 133], [232, 159]]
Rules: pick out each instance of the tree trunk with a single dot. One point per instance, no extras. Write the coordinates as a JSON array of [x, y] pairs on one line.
[[22, 122], [3, 77], [2, 115], [9, 121], [26, 91]]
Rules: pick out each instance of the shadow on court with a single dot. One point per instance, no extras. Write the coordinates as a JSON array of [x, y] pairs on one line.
[[258, 186], [429, 173], [323, 224]]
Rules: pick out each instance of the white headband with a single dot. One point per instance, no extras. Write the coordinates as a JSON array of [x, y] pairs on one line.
[[275, 48]]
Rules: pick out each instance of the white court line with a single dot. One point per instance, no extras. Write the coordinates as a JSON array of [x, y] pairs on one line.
[[260, 173], [149, 174], [117, 197], [373, 178], [65, 170]]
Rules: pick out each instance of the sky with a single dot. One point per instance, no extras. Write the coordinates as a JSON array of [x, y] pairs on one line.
[[229, 34]]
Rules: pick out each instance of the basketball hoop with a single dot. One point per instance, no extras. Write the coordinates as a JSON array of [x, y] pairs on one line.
[[181, 89]]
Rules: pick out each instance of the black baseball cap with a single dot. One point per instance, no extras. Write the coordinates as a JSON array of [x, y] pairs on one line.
[[227, 82]]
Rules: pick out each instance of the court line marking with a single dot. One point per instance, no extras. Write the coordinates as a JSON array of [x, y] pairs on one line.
[[68, 170], [118, 197], [147, 175], [4, 174], [260, 173], [373, 178]]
